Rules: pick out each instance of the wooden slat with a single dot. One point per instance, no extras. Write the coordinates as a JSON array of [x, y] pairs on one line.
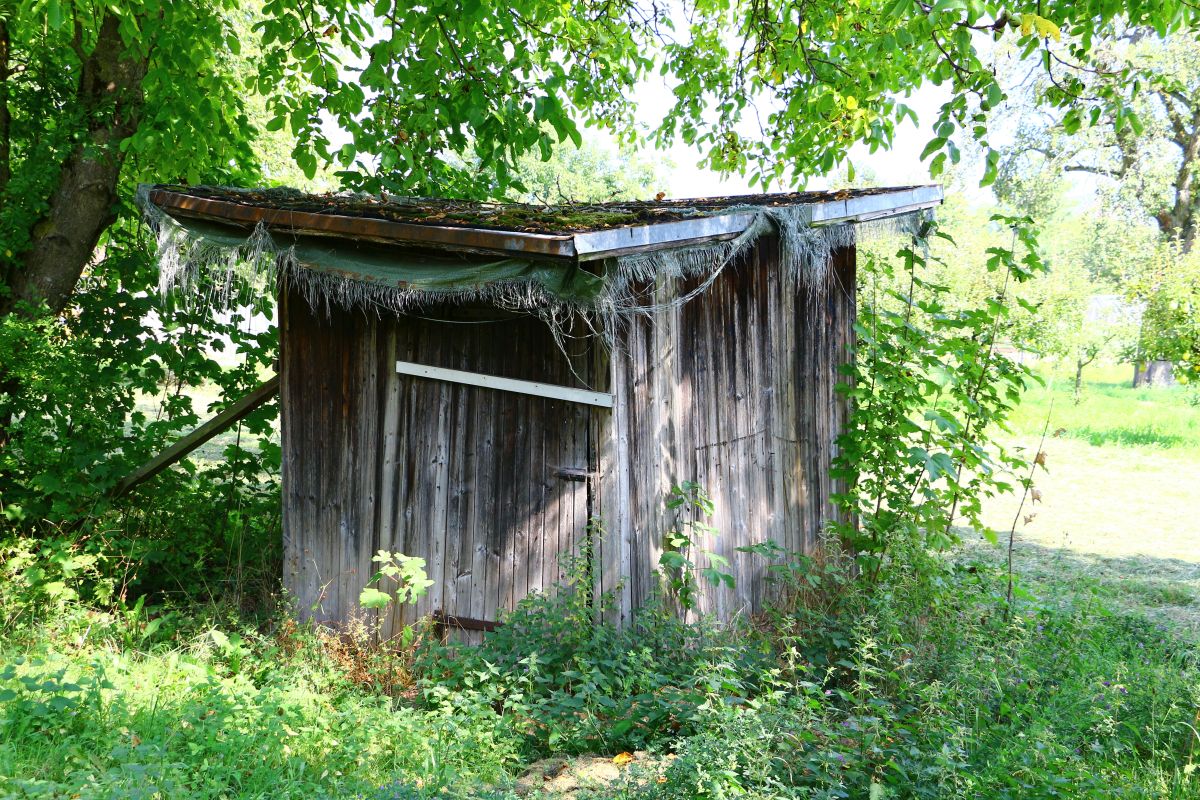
[[439, 476], [390, 442], [236, 412], [506, 384], [295, 546]]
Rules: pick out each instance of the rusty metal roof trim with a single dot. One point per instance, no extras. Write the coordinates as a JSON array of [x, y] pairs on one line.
[[584, 246], [303, 223]]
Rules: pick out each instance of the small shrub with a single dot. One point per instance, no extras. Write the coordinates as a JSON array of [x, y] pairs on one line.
[[378, 665], [574, 683]]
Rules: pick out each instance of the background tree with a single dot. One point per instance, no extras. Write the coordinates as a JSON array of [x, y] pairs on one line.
[[1153, 164], [1167, 286], [92, 92], [588, 174], [1147, 165]]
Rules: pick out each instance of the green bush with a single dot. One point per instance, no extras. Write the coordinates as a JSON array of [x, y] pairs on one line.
[[575, 683], [89, 394]]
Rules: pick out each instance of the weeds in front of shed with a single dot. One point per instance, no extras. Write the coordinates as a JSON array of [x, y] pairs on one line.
[[927, 691], [376, 664], [573, 681], [917, 687]]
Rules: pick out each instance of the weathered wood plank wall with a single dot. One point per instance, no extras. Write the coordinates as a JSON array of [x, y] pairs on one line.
[[489, 487], [735, 391]]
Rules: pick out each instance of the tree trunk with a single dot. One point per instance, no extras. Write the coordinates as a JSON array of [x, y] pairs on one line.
[[84, 204], [1152, 374], [1078, 381], [5, 118]]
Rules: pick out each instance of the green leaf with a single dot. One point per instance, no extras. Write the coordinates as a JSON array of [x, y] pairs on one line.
[[370, 597], [932, 146], [54, 14]]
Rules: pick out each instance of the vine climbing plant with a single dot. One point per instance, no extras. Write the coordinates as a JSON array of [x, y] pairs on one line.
[[930, 388]]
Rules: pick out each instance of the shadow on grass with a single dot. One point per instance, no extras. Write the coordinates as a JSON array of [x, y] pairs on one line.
[[1161, 588]]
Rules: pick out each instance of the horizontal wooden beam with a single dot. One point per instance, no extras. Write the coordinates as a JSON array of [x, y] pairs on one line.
[[547, 390], [443, 620], [208, 430], [367, 228]]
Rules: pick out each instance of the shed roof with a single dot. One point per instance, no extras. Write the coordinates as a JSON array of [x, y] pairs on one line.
[[577, 232], [394, 253]]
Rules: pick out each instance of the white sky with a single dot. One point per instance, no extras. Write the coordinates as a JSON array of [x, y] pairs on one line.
[[899, 166]]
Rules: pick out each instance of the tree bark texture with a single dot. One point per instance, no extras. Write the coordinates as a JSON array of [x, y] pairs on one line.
[[1180, 219], [84, 203], [5, 118], [1153, 373]]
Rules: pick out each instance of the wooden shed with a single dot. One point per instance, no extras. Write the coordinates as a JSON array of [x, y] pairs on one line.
[[495, 388]]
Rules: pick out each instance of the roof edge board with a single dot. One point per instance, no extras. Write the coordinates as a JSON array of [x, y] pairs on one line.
[[621, 241], [307, 223], [587, 246], [876, 206], [597, 244]]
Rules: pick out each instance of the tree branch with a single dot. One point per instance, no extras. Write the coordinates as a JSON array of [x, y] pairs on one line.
[[1107, 173]]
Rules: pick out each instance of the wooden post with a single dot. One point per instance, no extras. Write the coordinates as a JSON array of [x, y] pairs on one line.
[[208, 430]]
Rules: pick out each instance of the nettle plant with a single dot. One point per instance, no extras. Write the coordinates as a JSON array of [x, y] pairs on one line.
[[406, 572], [930, 391], [682, 542]]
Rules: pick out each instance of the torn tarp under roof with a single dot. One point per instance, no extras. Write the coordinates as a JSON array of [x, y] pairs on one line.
[[396, 253]]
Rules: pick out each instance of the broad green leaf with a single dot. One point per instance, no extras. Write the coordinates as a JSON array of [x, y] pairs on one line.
[[371, 597]]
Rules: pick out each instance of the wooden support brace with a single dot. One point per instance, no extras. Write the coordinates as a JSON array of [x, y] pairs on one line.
[[442, 623], [208, 430], [554, 392]]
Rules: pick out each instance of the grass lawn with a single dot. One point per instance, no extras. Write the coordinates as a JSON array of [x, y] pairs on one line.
[[1120, 500]]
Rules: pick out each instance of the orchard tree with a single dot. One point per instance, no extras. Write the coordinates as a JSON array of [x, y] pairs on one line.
[[1148, 166], [1151, 161], [588, 174], [1167, 285]]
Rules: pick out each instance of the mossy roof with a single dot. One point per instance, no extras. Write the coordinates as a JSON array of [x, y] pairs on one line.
[[561, 219]]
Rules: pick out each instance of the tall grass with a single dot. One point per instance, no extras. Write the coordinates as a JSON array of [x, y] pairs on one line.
[[1111, 412]]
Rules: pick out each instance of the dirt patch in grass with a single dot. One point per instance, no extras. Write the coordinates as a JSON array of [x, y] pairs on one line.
[[584, 776]]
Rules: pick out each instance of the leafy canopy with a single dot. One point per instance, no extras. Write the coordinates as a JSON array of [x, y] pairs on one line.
[[827, 75], [776, 90]]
